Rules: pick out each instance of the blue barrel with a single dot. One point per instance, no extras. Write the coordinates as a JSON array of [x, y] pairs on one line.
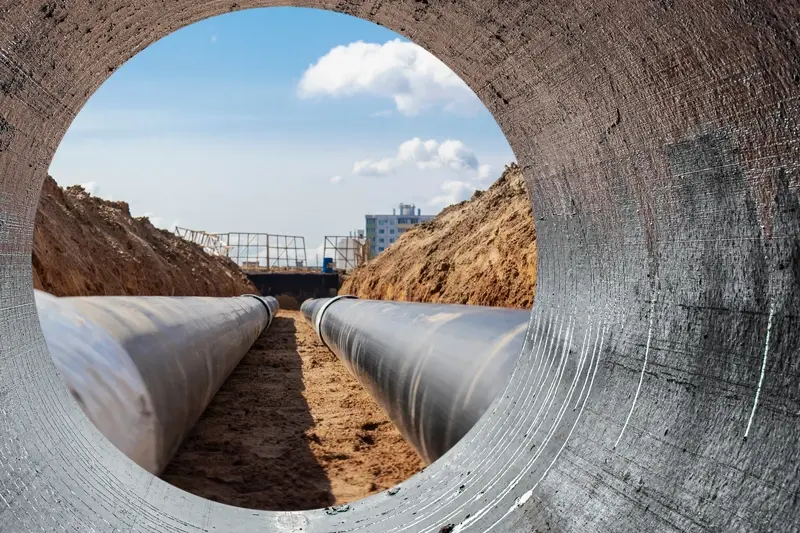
[[326, 265]]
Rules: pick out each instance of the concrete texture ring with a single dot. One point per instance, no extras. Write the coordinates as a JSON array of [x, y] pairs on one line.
[[657, 388]]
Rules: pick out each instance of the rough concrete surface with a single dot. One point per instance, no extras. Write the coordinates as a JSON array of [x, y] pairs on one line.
[[659, 387]]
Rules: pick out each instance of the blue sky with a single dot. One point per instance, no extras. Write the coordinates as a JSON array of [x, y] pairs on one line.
[[281, 120]]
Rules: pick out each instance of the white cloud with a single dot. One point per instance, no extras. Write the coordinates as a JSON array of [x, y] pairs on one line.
[[450, 154], [453, 192], [367, 167], [405, 72], [336, 179]]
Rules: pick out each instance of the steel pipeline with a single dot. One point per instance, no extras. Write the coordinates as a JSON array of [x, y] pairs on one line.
[[143, 369], [434, 368]]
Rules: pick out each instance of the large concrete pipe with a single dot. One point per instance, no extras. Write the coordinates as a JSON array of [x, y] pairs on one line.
[[659, 141], [144, 368], [434, 368]]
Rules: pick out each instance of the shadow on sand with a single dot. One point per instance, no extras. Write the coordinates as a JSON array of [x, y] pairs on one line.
[[249, 448]]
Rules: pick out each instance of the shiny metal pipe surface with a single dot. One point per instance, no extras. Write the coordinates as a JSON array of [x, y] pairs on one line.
[[144, 369], [434, 368]]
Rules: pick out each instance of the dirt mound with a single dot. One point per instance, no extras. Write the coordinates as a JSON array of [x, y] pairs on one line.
[[481, 251], [288, 302], [86, 246]]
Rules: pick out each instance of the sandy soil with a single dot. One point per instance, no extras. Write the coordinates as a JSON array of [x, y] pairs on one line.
[[291, 429], [86, 246], [481, 252]]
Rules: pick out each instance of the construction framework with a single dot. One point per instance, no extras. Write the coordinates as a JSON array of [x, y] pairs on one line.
[[347, 252], [252, 251], [211, 242], [265, 251]]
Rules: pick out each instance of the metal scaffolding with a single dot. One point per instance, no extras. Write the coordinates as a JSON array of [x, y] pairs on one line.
[[347, 252], [252, 251], [265, 251], [211, 242]]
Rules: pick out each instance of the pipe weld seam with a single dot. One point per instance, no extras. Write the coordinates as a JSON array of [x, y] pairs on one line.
[[325, 306], [269, 311]]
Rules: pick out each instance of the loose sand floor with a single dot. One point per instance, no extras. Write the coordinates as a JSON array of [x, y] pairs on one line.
[[291, 429]]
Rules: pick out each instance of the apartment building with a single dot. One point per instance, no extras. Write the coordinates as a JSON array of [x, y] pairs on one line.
[[383, 230]]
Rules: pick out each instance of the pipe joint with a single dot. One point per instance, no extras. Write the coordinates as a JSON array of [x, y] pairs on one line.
[[321, 312], [263, 300]]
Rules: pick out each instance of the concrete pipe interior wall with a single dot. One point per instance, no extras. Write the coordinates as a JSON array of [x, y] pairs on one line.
[[658, 389]]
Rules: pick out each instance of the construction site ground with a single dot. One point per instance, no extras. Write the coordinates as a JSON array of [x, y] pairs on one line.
[[291, 429]]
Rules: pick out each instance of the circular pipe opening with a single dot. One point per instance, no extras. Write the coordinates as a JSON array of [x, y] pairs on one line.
[[657, 385]]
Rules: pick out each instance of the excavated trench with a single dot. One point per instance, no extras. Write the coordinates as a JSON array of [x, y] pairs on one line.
[[658, 388]]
